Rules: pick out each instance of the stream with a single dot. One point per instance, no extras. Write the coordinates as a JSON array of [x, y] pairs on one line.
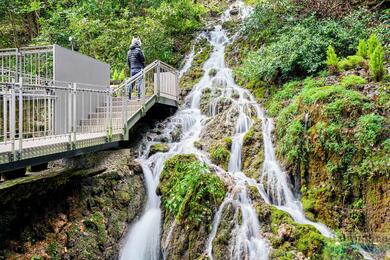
[[143, 238]]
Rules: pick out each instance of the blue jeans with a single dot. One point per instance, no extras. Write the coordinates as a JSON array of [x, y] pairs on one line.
[[134, 72]]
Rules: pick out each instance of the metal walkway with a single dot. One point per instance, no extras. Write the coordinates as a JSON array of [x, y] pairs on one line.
[[44, 119]]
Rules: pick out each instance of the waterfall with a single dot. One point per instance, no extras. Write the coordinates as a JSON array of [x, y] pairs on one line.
[[143, 238], [275, 184]]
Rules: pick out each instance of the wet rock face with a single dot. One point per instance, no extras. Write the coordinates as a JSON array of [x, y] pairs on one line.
[[223, 240], [253, 151], [76, 214], [221, 126]]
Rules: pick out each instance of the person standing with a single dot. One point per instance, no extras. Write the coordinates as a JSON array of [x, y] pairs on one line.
[[136, 62]]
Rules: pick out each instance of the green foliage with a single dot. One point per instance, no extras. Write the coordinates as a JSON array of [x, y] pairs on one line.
[[96, 224], [103, 29], [190, 191], [304, 237], [338, 250], [372, 44], [36, 257], [352, 81], [179, 16], [332, 60], [377, 69], [115, 75], [52, 250], [220, 155], [368, 129], [290, 48], [228, 142], [291, 141], [122, 75], [351, 62], [362, 49]]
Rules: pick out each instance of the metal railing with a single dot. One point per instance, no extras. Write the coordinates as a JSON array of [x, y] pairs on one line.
[[30, 106]]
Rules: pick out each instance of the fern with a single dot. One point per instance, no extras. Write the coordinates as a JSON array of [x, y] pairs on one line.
[[332, 60], [362, 49], [376, 65], [372, 43]]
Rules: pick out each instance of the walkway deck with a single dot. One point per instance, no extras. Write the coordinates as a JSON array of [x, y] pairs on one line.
[[103, 126]]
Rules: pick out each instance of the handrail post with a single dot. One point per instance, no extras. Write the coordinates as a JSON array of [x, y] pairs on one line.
[[177, 86], [109, 130], [12, 121], [70, 102], [20, 115], [123, 107], [74, 114], [5, 112], [127, 105], [143, 80], [158, 85]]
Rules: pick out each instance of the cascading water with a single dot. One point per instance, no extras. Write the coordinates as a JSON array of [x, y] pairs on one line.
[[276, 186], [143, 239]]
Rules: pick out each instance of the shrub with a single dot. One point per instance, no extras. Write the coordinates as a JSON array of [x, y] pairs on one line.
[[372, 43], [115, 75], [289, 48], [376, 65], [362, 49], [332, 60], [351, 62], [122, 75]]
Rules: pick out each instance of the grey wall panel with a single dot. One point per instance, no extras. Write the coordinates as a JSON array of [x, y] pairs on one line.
[[71, 66], [74, 67]]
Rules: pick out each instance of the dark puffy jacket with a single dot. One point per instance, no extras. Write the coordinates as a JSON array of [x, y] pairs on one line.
[[135, 57]]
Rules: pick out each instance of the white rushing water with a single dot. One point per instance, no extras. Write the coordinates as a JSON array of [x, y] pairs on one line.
[[143, 239]]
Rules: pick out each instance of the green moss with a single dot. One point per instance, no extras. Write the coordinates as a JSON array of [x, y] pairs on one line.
[[228, 142], [368, 129], [292, 147], [193, 76], [248, 137], [96, 224], [159, 148], [352, 81], [305, 238], [220, 155], [198, 145], [190, 191]]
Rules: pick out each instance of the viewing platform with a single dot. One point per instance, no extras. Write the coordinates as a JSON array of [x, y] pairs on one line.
[[56, 103]]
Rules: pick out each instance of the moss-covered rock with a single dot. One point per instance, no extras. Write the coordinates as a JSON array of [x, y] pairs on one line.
[[220, 155], [332, 140], [69, 214], [203, 50], [253, 151], [159, 148], [191, 194]]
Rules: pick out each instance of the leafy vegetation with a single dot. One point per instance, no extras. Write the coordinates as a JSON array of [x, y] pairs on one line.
[[377, 69], [220, 155], [332, 60], [292, 48], [104, 29], [190, 191]]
